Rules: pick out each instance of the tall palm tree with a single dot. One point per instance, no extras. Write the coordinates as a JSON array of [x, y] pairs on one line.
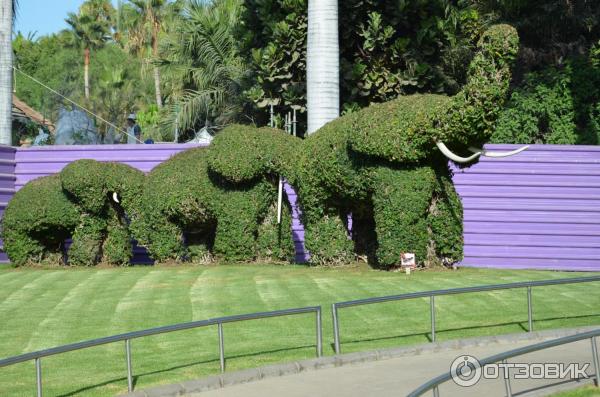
[[91, 27], [202, 66], [144, 34], [7, 8], [322, 63]]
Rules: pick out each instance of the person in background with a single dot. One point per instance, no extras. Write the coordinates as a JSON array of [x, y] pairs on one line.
[[133, 130]]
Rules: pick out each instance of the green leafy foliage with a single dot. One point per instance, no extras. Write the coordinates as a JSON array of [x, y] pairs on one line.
[[182, 195], [242, 153], [103, 232], [37, 221], [554, 106]]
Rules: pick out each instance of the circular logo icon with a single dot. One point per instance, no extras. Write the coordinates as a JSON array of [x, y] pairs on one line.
[[465, 370]]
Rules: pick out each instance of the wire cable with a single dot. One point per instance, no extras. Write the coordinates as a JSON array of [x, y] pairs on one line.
[[76, 104]]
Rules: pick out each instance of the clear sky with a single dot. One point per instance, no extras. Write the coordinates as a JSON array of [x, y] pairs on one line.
[[44, 16]]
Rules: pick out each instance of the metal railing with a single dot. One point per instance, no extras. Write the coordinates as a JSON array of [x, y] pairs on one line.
[[434, 383], [454, 291], [127, 337]]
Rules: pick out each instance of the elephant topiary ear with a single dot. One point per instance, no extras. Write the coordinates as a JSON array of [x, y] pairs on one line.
[[242, 153], [84, 181], [401, 130]]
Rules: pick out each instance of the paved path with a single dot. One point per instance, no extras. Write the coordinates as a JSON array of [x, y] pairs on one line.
[[388, 373]]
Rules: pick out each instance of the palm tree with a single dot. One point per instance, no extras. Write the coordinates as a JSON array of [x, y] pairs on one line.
[[322, 63], [145, 27], [7, 8], [91, 27], [202, 66]]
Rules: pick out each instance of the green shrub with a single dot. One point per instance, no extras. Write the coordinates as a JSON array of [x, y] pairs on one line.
[[182, 195], [383, 160], [242, 153], [103, 232], [37, 221], [553, 106], [274, 241]]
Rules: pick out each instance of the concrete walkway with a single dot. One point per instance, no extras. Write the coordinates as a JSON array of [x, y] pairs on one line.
[[389, 372]]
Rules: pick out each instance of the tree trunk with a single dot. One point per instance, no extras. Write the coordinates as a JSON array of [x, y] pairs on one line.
[[6, 59], [86, 72], [155, 31], [322, 64]]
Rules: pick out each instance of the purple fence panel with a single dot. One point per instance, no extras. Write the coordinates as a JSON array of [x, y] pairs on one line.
[[7, 185], [539, 209], [34, 162], [302, 254]]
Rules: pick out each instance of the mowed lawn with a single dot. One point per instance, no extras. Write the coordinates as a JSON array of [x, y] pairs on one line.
[[45, 308]]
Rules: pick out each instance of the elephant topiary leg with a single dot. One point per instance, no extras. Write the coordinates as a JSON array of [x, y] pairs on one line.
[[21, 248], [446, 220], [86, 249], [235, 235], [117, 248], [327, 240], [401, 199]]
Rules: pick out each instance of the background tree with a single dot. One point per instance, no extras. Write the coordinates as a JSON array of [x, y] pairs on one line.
[[202, 66], [144, 22], [91, 28]]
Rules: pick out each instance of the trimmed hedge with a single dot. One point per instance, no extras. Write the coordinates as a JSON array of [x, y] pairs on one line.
[[37, 221], [102, 234], [384, 158], [183, 195]]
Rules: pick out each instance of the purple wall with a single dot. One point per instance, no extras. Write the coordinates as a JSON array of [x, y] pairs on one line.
[[34, 162], [539, 209], [7, 185]]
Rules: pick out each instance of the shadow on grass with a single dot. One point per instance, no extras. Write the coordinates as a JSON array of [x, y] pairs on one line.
[[426, 336], [136, 377]]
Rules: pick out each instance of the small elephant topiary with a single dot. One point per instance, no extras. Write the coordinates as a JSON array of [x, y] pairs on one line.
[[89, 201], [185, 203], [107, 196]]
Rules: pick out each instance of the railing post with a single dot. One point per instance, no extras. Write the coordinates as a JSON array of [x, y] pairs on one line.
[[129, 370], [507, 380], [319, 334], [595, 360], [529, 310], [38, 376], [336, 329], [432, 307], [436, 391], [221, 347]]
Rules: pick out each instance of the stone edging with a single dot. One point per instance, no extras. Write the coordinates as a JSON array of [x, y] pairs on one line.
[[254, 374]]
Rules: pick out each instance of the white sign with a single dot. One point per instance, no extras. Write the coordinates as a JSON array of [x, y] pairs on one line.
[[408, 260]]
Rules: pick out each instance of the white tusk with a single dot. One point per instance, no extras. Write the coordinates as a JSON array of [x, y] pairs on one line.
[[453, 156], [498, 154], [115, 197]]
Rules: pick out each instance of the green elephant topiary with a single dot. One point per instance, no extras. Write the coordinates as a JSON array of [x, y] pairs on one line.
[[381, 164], [107, 196], [79, 202], [186, 204]]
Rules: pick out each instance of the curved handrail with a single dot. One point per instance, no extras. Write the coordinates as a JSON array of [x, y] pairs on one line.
[[452, 291], [438, 380]]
